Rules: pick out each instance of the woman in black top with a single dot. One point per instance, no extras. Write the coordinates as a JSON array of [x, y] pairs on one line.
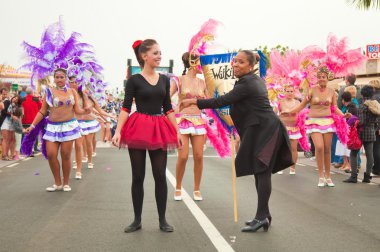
[[368, 121], [265, 146], [152, 127]]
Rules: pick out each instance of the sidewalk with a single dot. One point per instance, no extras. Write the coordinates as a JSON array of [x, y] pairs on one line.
[[312, 162], [7, 163]]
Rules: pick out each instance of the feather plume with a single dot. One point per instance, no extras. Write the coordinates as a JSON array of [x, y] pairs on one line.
[[285, 70], [198, 43], [304, 140], [29, 139], [219, 140], [342, 128], [337, 57], [262, 64]]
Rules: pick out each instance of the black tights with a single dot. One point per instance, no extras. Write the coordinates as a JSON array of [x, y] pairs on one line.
[[158, 160], [263, 185]]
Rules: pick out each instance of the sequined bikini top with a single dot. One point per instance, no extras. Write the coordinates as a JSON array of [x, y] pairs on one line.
[[57, 101], [325, 101], [192, 91]]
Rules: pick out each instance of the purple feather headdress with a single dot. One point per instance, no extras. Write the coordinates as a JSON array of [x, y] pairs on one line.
[[53, 52]]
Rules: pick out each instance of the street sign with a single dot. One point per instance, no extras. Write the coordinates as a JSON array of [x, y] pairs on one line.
[[373, 51]]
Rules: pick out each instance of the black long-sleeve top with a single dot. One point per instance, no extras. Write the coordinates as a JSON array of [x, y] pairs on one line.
[[248, 99], [150, 99]]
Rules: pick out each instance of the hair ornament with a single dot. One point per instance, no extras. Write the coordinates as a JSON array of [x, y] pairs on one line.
[[136, 43]]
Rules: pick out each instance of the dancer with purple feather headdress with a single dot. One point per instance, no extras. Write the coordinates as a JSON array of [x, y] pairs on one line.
[[89, 126], [55, 55], [61, 129]]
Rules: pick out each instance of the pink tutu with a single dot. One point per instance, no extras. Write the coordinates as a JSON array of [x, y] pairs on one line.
[[149, 132]]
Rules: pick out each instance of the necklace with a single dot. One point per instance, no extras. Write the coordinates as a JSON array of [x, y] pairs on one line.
[[60, 88]]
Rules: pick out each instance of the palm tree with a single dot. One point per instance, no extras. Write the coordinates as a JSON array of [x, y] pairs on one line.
[[365, 4]]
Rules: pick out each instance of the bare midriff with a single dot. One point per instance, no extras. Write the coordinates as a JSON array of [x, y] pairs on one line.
[[288, 119]]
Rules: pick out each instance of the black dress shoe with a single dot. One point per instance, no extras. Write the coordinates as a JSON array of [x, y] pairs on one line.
[[132, 228], [248, 222], [256, 225], [165, 227], [351, 180]]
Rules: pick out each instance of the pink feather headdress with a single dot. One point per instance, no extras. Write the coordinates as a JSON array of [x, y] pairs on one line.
[[286, 70], [337, 58], [207, 33]]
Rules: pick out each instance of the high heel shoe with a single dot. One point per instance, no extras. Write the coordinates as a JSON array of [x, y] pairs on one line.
[[178, 197], [197, 196], [329, 182], [248, 222], [256, 225], [321, 182]]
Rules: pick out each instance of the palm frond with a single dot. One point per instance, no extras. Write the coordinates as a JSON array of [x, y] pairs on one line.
[[365, 4]]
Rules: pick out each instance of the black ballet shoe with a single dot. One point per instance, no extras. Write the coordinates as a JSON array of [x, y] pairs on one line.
[[248, 222], [256, 225], [133, 227], [165, 227]]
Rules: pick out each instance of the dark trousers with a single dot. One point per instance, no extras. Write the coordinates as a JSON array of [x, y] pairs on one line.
[[354, 155], [376, 154]]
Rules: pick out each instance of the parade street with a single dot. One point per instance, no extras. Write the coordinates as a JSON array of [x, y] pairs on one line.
[[92, 217]]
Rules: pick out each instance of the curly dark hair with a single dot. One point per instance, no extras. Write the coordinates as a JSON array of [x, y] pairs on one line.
[[367, 91], [346, 96]]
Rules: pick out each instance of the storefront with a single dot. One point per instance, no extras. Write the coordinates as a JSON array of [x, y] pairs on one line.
[[12, 79]]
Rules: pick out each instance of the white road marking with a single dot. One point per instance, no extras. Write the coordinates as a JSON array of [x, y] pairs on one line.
[[213, 234], [301, 164], [38, 154], [28, 158], [12, 165]]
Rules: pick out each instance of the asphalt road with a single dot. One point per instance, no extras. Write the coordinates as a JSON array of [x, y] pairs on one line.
[[93, 215]]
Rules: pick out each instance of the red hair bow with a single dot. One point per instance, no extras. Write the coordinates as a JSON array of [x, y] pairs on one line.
[[136, 43]]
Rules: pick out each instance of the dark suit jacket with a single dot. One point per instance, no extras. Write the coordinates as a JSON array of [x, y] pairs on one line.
[[248, 100], [264, 139]]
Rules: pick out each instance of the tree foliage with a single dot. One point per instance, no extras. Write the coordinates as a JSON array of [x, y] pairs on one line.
[[266, 51], [365, 4]]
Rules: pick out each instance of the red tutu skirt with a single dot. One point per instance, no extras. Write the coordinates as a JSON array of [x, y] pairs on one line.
[[148, 132]]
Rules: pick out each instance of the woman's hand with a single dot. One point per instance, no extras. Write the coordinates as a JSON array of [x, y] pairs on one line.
[[179, 139], [27, 130], [284, 113], [347, 115], [88, 110], [187, 103], [116, 139]]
